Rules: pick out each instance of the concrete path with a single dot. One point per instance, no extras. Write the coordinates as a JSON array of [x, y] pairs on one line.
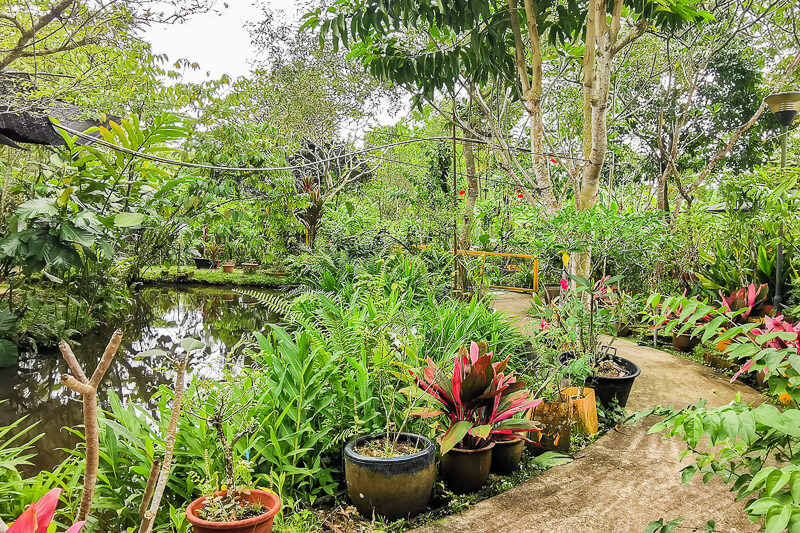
[[627, 478]]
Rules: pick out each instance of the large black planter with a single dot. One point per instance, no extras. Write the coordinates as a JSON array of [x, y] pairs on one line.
[[391, 487], [465, 471], [202, 262], [606, 389]]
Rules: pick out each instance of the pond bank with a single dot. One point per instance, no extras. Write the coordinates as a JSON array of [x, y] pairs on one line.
[[239, 278], [158, 319], [627, 478]]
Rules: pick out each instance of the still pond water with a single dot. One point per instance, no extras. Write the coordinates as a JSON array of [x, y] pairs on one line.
[[159, 318]]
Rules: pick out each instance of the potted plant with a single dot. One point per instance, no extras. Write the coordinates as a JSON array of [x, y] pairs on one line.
[[232, 508], [745, 304], [228, 267], [682, 321], [574, 322], [390, 474], [480, 402]]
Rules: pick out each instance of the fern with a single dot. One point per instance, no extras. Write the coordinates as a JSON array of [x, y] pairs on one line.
[[274, 303]]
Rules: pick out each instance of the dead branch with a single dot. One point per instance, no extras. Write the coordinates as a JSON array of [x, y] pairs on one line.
[[78, 383]]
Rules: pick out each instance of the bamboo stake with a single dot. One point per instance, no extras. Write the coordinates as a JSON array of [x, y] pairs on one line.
[[88, 389]]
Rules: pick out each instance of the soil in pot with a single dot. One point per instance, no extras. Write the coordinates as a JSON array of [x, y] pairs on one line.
[[465, 471], [506, 456], [390, 478], [263, 505]]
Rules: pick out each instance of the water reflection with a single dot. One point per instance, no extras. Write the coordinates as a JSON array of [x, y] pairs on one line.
[[159, 319]]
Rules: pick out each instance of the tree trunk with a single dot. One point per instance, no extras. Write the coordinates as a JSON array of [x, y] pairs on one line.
[[472, 195], [590, 182]]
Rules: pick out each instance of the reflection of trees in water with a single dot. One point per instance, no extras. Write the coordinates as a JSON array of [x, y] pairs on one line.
[[159, 319]]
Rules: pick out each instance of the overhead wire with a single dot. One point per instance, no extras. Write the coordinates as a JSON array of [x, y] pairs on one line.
[[185, 164]]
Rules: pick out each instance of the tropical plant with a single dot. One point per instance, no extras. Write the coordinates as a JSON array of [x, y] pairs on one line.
[[753, 300], [479, 400], [753, 447], [38, 517]]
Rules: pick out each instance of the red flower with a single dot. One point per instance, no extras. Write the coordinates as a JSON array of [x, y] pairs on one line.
[[520, 195], [552, 160], [564, 284], [462, 192], [544, 324]]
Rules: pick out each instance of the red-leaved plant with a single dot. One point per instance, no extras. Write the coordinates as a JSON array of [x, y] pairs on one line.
[[37, 517], [753, 300], [478, 399]]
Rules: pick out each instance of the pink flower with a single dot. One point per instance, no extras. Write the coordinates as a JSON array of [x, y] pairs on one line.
[[544, 324], [564, 284]]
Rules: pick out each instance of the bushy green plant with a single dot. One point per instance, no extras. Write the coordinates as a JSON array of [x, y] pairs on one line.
[[753, 448]]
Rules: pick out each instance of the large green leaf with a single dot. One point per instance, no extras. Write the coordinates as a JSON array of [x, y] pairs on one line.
[[72, 233], [37, 207], [127, 220], [9, 354], [8, 320]]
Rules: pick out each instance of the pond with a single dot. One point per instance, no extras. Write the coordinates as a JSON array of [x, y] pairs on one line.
[[159, 318]]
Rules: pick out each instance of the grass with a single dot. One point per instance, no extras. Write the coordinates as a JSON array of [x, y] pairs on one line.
[[259, 278]]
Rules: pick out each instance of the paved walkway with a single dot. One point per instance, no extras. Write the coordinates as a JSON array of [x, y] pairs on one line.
[[627, 478]]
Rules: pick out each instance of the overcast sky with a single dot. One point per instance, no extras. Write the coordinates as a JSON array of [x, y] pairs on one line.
[[218, 41]]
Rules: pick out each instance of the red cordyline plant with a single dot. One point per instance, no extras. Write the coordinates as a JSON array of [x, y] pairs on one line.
[[753, 300], [781, 334], [479, 400], [38, 517]]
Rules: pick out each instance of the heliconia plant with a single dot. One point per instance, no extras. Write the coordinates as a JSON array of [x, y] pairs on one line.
[[751, 299], [38, 517], [479, 400]]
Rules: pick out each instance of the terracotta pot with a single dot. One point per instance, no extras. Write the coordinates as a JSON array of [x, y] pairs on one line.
[[257, 524], [466, 471], [684, 343], [228, 268], [391, 487], [506, 456], [250, 267]]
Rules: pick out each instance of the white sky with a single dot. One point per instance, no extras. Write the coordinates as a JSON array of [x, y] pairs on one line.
[[218, 41]]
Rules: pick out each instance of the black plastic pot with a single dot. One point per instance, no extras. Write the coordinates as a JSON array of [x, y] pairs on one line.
[[202, 262], [466, 471], [391, 487], [506, 456], [606, 389]]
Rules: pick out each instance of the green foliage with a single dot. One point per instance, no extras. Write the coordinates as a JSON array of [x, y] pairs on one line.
[[752, 448]]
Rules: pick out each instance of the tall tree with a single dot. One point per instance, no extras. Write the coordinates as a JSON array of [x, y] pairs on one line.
[[434, 47]]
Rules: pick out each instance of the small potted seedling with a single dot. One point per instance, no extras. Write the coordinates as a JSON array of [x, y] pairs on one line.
[[231, 507]]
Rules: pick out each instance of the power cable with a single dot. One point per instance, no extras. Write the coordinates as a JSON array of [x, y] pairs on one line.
[[163, 160]]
